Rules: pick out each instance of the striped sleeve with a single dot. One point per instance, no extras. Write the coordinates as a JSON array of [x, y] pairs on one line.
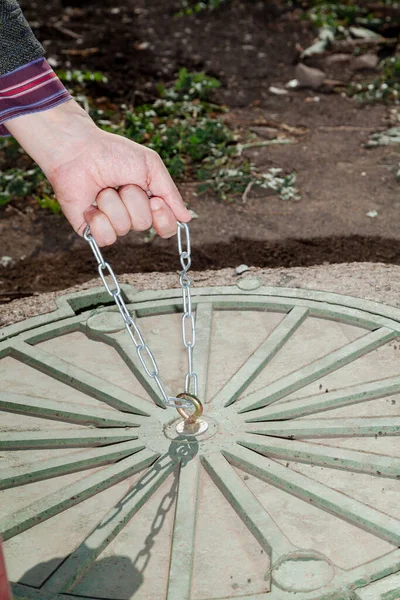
[[31, 88]]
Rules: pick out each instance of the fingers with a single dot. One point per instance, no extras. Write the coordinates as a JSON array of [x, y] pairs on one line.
[[100, 226], [117, 213], [144, 213], [164, 221], [109, 202], [162, 186], [136, 202]]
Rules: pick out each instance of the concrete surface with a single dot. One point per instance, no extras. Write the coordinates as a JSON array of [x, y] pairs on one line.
[[370, 281]]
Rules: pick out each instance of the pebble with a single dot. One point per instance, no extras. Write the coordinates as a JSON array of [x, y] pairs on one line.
[[241, 269], [6, 261], [366, 62], [309, 77]]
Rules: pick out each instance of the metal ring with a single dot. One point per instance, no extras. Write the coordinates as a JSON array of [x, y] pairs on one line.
[[198, 408], [86, 234]]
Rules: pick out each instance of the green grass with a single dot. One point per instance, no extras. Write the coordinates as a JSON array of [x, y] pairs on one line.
[[192, 7], [340, 14], [183, 125], [385, 88], [82, 78]]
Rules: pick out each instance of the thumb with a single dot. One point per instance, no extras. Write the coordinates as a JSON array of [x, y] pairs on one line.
[[75, 196]]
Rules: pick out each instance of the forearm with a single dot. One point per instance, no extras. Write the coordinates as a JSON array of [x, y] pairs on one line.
[[53, 136]]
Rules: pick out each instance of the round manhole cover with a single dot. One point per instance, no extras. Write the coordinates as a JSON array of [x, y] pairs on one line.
[[291, 491]]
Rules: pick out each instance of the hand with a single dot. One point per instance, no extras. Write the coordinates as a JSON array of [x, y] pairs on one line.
[[86, 165]]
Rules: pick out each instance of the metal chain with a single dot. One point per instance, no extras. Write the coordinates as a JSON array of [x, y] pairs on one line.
[[188, 324], [143, 351]]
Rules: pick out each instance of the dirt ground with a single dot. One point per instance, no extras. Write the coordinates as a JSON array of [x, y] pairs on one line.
[[250, 47]]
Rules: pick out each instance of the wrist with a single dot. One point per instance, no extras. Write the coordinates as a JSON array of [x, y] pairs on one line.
[[53, 137]]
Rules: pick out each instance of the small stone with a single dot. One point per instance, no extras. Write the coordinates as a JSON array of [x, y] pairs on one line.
[[335, 59], [53, 62], [249, 283], [364, 34], [372, 214], [6, 261], [277, 91], [365, 62], [241, 269], [309, 77], [292, 84]]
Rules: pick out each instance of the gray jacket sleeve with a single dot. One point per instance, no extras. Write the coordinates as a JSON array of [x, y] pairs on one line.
[[18, 45]]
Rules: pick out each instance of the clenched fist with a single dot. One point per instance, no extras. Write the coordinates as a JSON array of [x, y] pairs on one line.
[[100, 179]]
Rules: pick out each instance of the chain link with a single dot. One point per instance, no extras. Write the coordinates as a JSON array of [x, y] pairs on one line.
[[144, 353], [188, 323]]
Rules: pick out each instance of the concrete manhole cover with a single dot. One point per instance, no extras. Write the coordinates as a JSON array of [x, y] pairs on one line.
[[292, 492]]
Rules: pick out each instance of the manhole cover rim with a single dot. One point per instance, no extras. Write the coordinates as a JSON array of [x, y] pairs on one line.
[[66, 305], [147, 305]]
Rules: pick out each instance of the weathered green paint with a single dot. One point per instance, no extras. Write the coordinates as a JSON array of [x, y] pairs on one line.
[[63, 411], [264, 529], [262, 356], [236, 440], [301, 407], [320, 428], [65, 438], [334, 458], [73, 494], [81, 380], [344, 507], [183, 541], [384, 589], [127, 351], [83, 557], [327, 364], [54, 467]]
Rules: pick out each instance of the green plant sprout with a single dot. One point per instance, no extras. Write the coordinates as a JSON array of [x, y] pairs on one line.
[[186, 128], [190, 7], [386, 88]]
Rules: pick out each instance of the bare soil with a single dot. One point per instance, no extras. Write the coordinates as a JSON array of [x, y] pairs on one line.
[[249, 46]]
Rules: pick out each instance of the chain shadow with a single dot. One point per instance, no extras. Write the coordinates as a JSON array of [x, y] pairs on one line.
[[119, 577]]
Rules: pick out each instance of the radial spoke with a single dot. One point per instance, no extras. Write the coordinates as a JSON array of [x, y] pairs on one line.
[[311, 372], [75, 493], [127, 351], [66, 411], [183, 537], [82, 380], [375, 570], [249, 509], [327, 456], [23, 592], [318, 494], [301, 407], [261, 357], [323, 428], [63, 438], [83, 557], [71, 463], [201, 352]]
